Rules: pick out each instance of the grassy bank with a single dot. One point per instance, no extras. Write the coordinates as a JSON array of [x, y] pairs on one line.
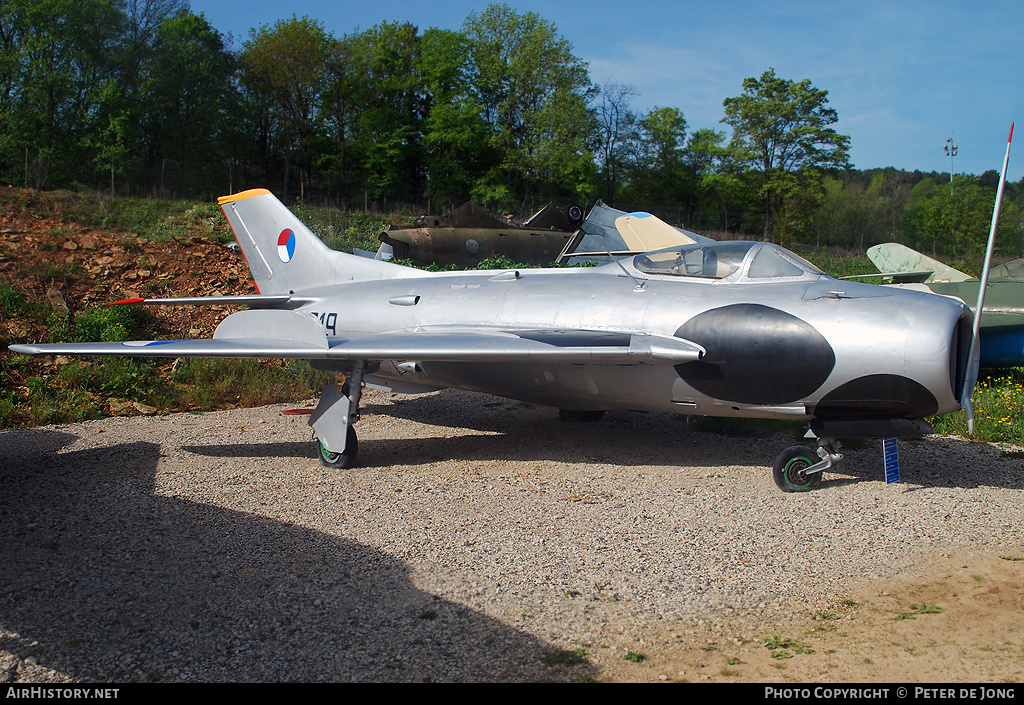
[[162, 220], [998, 403], [34, 391]]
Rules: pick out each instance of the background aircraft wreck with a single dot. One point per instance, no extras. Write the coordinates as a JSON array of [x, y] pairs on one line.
[[609, 233], [1002, 317], [471, 234], [733, 329]]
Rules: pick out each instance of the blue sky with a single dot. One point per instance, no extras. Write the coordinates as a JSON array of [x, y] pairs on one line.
[[903, 75]]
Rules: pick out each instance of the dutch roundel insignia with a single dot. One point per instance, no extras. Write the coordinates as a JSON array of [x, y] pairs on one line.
[[286, 245]]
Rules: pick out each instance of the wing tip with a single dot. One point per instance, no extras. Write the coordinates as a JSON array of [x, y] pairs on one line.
[[23, 349]]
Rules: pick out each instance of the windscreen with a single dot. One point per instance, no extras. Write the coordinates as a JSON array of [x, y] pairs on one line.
[[723, 259], [715, 261]]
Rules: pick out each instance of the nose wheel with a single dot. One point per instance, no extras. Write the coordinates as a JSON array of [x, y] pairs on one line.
[[799, 469], [790, 471]]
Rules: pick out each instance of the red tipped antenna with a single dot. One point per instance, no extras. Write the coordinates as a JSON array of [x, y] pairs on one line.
[[975, 339]]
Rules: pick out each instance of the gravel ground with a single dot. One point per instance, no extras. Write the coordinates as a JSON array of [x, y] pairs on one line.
[[480, 540]]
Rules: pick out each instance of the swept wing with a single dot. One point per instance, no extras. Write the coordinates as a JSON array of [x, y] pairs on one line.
[[287, 334]]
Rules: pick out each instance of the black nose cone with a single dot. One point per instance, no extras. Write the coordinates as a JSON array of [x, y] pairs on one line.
[[756, 355]]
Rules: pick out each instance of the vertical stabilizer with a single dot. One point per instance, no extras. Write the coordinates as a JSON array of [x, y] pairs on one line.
[[285, 256]]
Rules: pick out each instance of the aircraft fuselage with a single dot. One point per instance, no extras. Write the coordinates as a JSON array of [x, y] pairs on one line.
[[816, 347]]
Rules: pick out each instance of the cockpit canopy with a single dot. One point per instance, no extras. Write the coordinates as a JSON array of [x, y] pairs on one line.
[[732, 260]]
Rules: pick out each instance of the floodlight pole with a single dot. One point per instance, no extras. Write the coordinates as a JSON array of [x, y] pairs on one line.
[[950, 149]]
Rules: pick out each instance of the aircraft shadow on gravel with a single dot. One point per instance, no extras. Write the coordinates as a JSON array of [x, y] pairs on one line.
[[988, 467], [623, 439], [213, 593]]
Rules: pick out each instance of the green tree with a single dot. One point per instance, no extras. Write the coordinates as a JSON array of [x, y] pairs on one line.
[[342, 99], [730, 196], [893, 192], [284, 77], [57, 65], [713, 189], [109, 143], [389, 119], [660, 169], [841, 219], [782, 140], [535, 95], [456, 136], [134, 60], [613, 118], [656, 158], [188, 89], [142, 21], [958, 225], [14, 27]]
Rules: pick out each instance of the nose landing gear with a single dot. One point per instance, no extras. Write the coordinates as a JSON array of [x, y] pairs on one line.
[[798, 468]]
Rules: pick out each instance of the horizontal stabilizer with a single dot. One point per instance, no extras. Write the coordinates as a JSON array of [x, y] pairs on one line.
[[896, 277], [238, 347], [385, 252], [250, 300]]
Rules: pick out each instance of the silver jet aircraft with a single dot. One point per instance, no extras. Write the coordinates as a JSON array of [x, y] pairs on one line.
[[739, 329]]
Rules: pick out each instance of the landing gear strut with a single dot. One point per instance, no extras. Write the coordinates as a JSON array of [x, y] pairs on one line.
[[798, 468], [333, 420]]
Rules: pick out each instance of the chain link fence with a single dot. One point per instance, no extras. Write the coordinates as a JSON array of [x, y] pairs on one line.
[[174, 180]]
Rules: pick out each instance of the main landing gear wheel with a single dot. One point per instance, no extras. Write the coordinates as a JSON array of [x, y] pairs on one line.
[[344, 459], [790, 469]]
